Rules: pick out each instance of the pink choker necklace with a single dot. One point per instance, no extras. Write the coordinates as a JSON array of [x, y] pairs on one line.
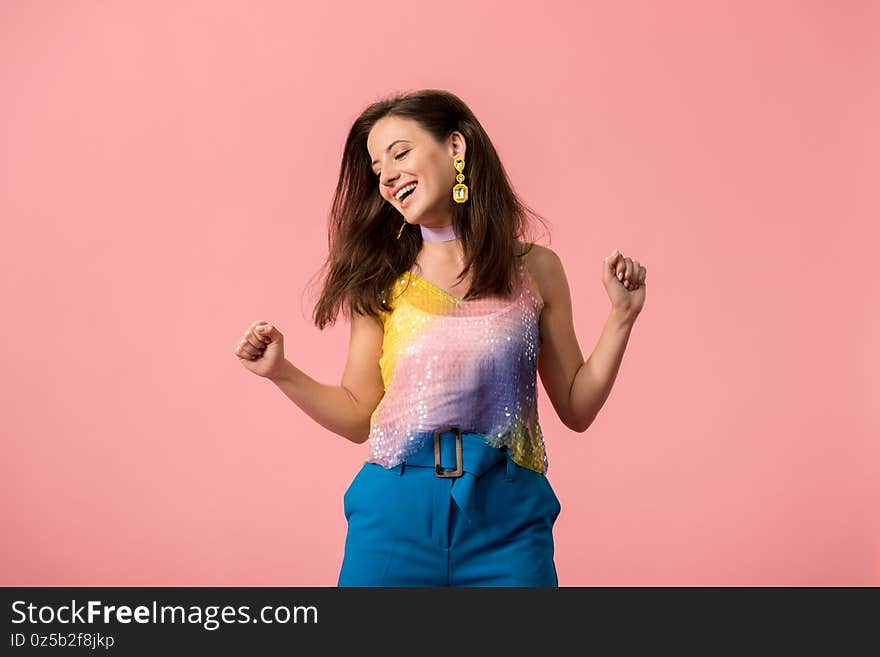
[[442, 234]]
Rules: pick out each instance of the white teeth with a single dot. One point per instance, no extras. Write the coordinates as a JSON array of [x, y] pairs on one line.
[[410, 186]]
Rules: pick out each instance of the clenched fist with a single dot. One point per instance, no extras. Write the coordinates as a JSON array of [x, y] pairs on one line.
[[624, 280], [261, 350]]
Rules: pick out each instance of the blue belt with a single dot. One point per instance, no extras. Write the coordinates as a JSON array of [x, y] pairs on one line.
[[458, 459]]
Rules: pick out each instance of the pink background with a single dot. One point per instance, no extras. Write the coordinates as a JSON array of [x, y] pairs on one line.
[[166, 171]]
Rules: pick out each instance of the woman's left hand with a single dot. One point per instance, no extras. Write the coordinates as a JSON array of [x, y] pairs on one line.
[[624, 280]]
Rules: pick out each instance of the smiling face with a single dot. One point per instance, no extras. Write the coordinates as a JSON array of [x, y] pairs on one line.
[[402, 152]]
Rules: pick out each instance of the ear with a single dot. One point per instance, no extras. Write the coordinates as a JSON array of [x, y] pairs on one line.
[[457, 145]]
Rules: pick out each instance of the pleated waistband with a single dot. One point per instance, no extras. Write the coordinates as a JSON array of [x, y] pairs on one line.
[[477, 458]]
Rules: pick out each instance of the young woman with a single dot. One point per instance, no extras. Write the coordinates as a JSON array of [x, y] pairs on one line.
[[450, 323]]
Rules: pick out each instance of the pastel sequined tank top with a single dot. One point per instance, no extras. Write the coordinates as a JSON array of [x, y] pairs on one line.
[[466, 363]]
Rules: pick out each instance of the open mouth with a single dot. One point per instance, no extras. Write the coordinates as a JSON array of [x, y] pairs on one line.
[[405, 199]]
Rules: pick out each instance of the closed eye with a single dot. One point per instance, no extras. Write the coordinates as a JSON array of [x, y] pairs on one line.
[[399, 155]]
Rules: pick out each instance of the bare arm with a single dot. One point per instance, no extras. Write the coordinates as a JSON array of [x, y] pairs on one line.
[[577, 388], [345, 409], [595, 378]]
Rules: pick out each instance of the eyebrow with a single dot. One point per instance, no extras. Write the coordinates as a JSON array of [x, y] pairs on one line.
[[389, 148]]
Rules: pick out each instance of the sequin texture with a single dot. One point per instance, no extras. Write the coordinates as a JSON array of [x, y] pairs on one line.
[[450, 362]]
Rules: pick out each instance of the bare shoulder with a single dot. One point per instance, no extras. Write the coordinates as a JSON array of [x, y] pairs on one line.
[[547, 271], [367, 324]]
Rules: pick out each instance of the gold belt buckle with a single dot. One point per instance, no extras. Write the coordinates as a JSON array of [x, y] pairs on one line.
[[458, 461]]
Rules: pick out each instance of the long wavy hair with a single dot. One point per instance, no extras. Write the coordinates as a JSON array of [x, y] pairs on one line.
[[365, 256]]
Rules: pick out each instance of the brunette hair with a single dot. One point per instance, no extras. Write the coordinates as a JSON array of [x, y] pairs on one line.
[[365, 257]]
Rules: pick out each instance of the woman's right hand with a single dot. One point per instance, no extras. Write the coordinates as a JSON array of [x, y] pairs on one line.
[[261, 350]]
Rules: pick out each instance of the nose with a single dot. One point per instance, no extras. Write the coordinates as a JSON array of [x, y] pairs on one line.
[[388, 183]]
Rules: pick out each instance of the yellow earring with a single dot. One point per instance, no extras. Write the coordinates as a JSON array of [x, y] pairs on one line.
[[460, 191]]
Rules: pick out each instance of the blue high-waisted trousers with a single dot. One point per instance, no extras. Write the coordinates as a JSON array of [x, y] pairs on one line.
[[490, 526]]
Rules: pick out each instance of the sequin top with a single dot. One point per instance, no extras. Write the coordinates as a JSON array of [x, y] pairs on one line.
[[466, 363]]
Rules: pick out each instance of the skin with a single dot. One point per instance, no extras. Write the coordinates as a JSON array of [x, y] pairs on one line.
[[421, 159], [577, 388]]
